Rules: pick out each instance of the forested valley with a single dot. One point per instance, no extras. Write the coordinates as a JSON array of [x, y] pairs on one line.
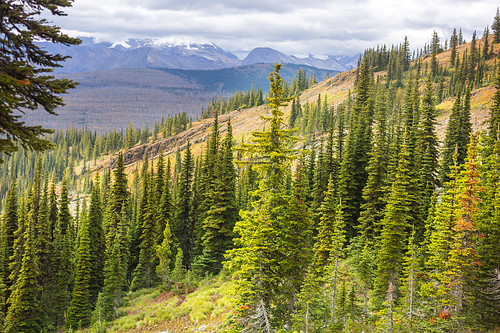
[[341, 213]]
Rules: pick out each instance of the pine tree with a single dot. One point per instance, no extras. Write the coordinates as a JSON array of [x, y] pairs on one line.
[[79, 311], [427, 152], [10, 225], [184, 224], [24, 85], [165, 207], [353, 174], [374, 192], [115, 268], [145, 271], [454, 44], [222, 215], [97, 242], [118, 198], [271, 240], [487, 291], [62, 258], [24, 314], [494, 121], [164, 254], [495, 26], [453, 140], [393, 239]]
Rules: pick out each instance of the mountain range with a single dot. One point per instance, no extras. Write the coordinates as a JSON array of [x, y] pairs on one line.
[[134, 53]]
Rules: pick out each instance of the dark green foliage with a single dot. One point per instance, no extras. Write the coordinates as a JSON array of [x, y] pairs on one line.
[[118, 197], [97, 242], [427, 156], [79, 311], [393, 238], [353, 174], [24, 314], [495, 26], [222, 214], [10, 225], [184, 224], [145, 271], [375, 190], [494, 121], [457, 134], [23, 84]]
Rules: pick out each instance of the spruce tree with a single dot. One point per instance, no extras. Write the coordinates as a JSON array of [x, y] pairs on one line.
[[222, 215], [184, 224], [24, 314], [79, 311], [375, 190], [487, 291], [353, 174], [144, 272], [495, 26], [10, 225], [393, 239], [271, 240], [427, 152], [97, 242], [165, 254]]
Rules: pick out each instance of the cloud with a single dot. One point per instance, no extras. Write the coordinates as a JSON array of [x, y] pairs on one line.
[[291, 26]]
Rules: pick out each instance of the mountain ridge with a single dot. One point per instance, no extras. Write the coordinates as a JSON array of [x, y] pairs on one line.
[[137, 53]]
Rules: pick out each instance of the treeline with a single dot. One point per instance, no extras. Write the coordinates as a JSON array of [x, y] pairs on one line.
[[255, 97], [72, 147], [58, 267]]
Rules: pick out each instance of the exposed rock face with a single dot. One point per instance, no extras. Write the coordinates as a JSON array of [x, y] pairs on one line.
[[194, 135]]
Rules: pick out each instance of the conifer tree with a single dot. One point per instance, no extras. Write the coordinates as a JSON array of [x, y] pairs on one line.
[[24, 314], [374, 191], [184, 224], [454, 139], [278, 218], [454, 264], [427, 152], [222, 215], [441, 238], [97, 242], [144, 271], [62, 258], [10, 225], [79, 311], [353, 175], [118, 197], [115, 268], [393, 239], [165, 206], [164, 254], [487, 290], [494, 121], [495, 26], [19, 244]]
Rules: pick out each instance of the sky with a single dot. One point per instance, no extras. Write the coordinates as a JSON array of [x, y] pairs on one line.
[[298, 27]]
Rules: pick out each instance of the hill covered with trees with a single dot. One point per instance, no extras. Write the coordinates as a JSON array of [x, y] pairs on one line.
[[368, 201]]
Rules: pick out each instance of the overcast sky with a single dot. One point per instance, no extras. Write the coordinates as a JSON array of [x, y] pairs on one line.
[[298, 27]]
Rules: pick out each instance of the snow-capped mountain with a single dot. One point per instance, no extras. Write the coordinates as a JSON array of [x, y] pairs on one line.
[[134, 53]]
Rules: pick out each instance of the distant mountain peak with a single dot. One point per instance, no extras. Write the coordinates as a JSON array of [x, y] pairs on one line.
[[172, 53]]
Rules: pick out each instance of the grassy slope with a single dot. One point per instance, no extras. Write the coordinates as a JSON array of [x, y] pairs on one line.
[[155, 311]]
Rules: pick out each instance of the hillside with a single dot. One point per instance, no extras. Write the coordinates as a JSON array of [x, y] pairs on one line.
[[109, 99], [336, 90], [366, 208]]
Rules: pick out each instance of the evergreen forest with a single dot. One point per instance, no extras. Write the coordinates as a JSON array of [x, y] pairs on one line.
[[374, 209]]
